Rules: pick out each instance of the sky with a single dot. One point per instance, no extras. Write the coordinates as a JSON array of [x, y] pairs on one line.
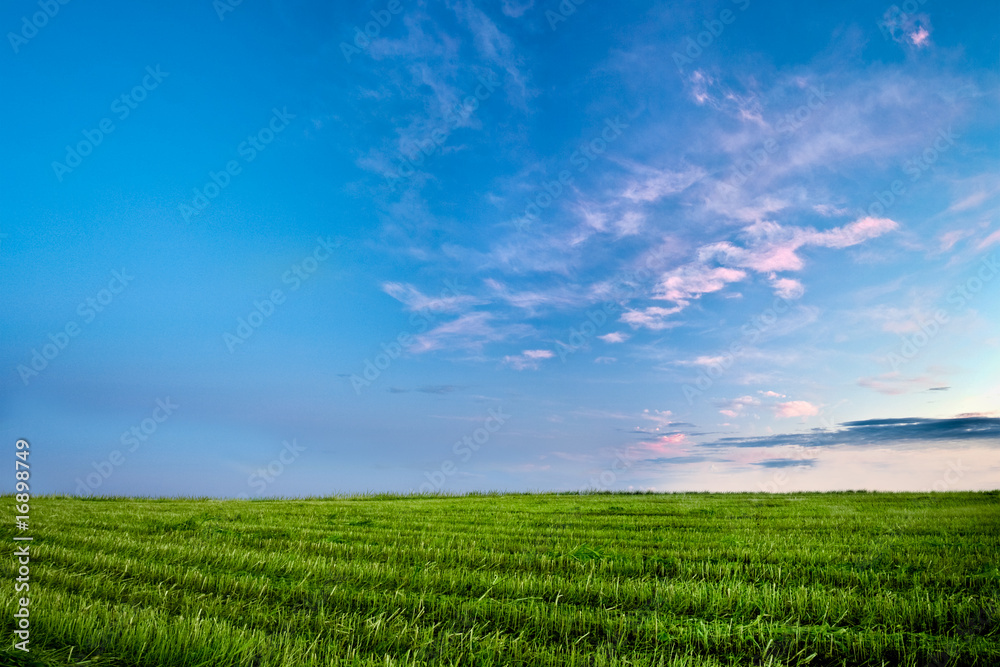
[[288, 248]]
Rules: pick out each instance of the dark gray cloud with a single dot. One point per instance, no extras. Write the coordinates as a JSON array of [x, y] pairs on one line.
[[428, 389], [786, 463], [879, 432], [685, 459], [439, 388]]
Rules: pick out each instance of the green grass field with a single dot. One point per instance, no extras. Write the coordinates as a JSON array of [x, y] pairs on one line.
[[566, 579]]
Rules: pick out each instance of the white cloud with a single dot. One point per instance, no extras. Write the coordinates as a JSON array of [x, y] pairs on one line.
[[528, 359], [615, 337], [653, 318], [703, 360], [788, 288]]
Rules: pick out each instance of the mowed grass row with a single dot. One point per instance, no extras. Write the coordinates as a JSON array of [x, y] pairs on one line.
[[609, 579]]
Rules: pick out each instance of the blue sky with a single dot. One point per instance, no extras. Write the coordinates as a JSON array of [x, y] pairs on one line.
[[250, 250]]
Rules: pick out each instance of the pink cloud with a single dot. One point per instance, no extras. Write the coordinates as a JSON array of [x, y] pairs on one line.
[[909, 29], [948, 240], [853, 233], [989, 240], [773, 248], [763, 260], [894, 384], [769, 248], [665, 444], [693, 280], [795, 409]]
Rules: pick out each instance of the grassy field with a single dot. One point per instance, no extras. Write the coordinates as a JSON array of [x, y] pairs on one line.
[[603, 579]]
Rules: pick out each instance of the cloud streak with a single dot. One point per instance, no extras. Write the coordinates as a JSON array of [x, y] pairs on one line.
[[879, 432]]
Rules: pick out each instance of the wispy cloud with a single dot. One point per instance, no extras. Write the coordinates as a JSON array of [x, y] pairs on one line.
[[990, 240], [415, 300], [653, 317], [913, 30], [895, 383], [528, 359], [737, 406], [650, 184], [770, 247], [469, 331]]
